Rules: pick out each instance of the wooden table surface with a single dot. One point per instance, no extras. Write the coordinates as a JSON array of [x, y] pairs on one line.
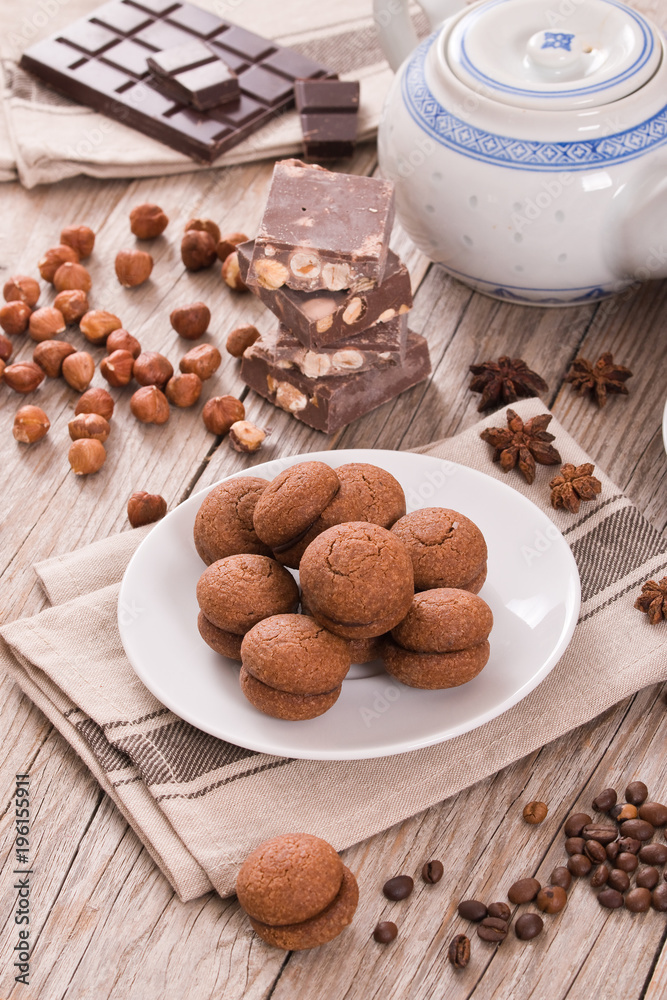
[[105, 922]]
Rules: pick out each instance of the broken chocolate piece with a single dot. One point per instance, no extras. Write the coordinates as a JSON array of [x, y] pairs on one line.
[[195, 75], [329, 111]]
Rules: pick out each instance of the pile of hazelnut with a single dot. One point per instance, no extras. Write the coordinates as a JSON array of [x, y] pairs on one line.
[[159, 386]]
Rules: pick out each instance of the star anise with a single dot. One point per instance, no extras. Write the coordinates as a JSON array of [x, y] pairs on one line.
[[523, 444], [574, 484], [504, 381], [653, 600], [599, 379]]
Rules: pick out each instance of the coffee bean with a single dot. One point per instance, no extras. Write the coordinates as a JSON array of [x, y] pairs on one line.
[[524, 891], [654, 812], [575, 823], [493, 929], [636, 793], [638, 828], [624, 811], [638, 900], [398, 887], [629, 845], [603, 834], [385, 932], [562, 877], [653, 854], [647, 878], [432, 872], [551, 899], [535, 812], [579, 865], [599, 876], [458, 952], [626, 862], [528, 926], [613, 850], [472, 909], [595, 851], [610, 898], [605, 800], [618, 880], [659, 898], [575, 845], [501, 911]]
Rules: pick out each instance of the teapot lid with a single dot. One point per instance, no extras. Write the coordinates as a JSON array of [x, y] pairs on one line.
[[530, 54]]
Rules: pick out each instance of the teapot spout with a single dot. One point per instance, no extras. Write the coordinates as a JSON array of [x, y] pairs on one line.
[[638, 236]]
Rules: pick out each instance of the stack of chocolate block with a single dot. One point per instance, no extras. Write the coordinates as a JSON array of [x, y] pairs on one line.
[[321, 264]]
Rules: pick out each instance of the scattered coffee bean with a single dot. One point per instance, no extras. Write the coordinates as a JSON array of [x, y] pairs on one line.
[[459, 951], [398, 887], [575, 823], [472, 909], [647, 878], [610, 898], [613, 850], [627, 862], [659, 898], [636, 793], [535, 812], [638, 828], [385, 932], [595, 851], [579, 865], [551, 899], [623, 811], [638, 900], [653, 854], [605, 800], [599, 876], [654, 812], [524, 891], [501, 911], [528, 926], [492, 929], [629, 845], [432, 872], [603, 834], [618, 880], [562, 877], [575, 845]]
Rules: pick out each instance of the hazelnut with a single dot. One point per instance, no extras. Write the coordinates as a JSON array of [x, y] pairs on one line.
[[117, 368], [121, 340], [244, 436], [289, 398], [15, 317], [89, 425], [197, 250], [45, 323], [80, 238], [202, 360], [78, 370], [50, 354], [72, 276], [133, 267], [221, 412], [148, 221], [151, 368], [86, 456], [6, 348], [73, 304], [30, 424], [21, 288], [228, 244], [3, 365], [191, 321], [270, 273], [145, 508], [183, 390], [23, 376], [240, 338], [96, 401], [150, 405], [204, 226], [97, 324], [55, 258], [231, 274]]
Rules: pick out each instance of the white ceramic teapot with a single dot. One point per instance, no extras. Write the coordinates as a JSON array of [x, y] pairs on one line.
[[527, 140]]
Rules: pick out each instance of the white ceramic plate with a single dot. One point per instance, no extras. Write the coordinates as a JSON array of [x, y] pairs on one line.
[[532, 587]]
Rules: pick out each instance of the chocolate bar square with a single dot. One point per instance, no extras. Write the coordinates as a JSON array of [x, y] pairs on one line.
[[329, 115], [335, 96], [121, 17], [193, 74]]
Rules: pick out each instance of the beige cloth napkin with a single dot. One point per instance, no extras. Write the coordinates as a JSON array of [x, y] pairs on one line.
[[200, 804]]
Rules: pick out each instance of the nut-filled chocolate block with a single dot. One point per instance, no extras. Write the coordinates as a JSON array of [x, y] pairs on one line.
[[194, 74], [322, 230], [327, 404], [329, 112], [322, 318]]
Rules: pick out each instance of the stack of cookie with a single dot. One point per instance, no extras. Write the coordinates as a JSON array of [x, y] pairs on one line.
[[321, 263]]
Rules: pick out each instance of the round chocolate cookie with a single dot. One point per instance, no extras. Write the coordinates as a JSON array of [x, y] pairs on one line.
[[283, 704], [292, 501], [237, 592], [443, 620], [289, 879], [357, 579], [320, 929], [434, 671], [447, 549], [225, 643], [294, 653], [365, 650], [223, 526]]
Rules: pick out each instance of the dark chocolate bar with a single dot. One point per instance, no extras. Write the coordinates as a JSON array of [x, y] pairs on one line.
[[327, 404], [102, 61], [322, 229], [195, 75], [329, 112], [322, 318]]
